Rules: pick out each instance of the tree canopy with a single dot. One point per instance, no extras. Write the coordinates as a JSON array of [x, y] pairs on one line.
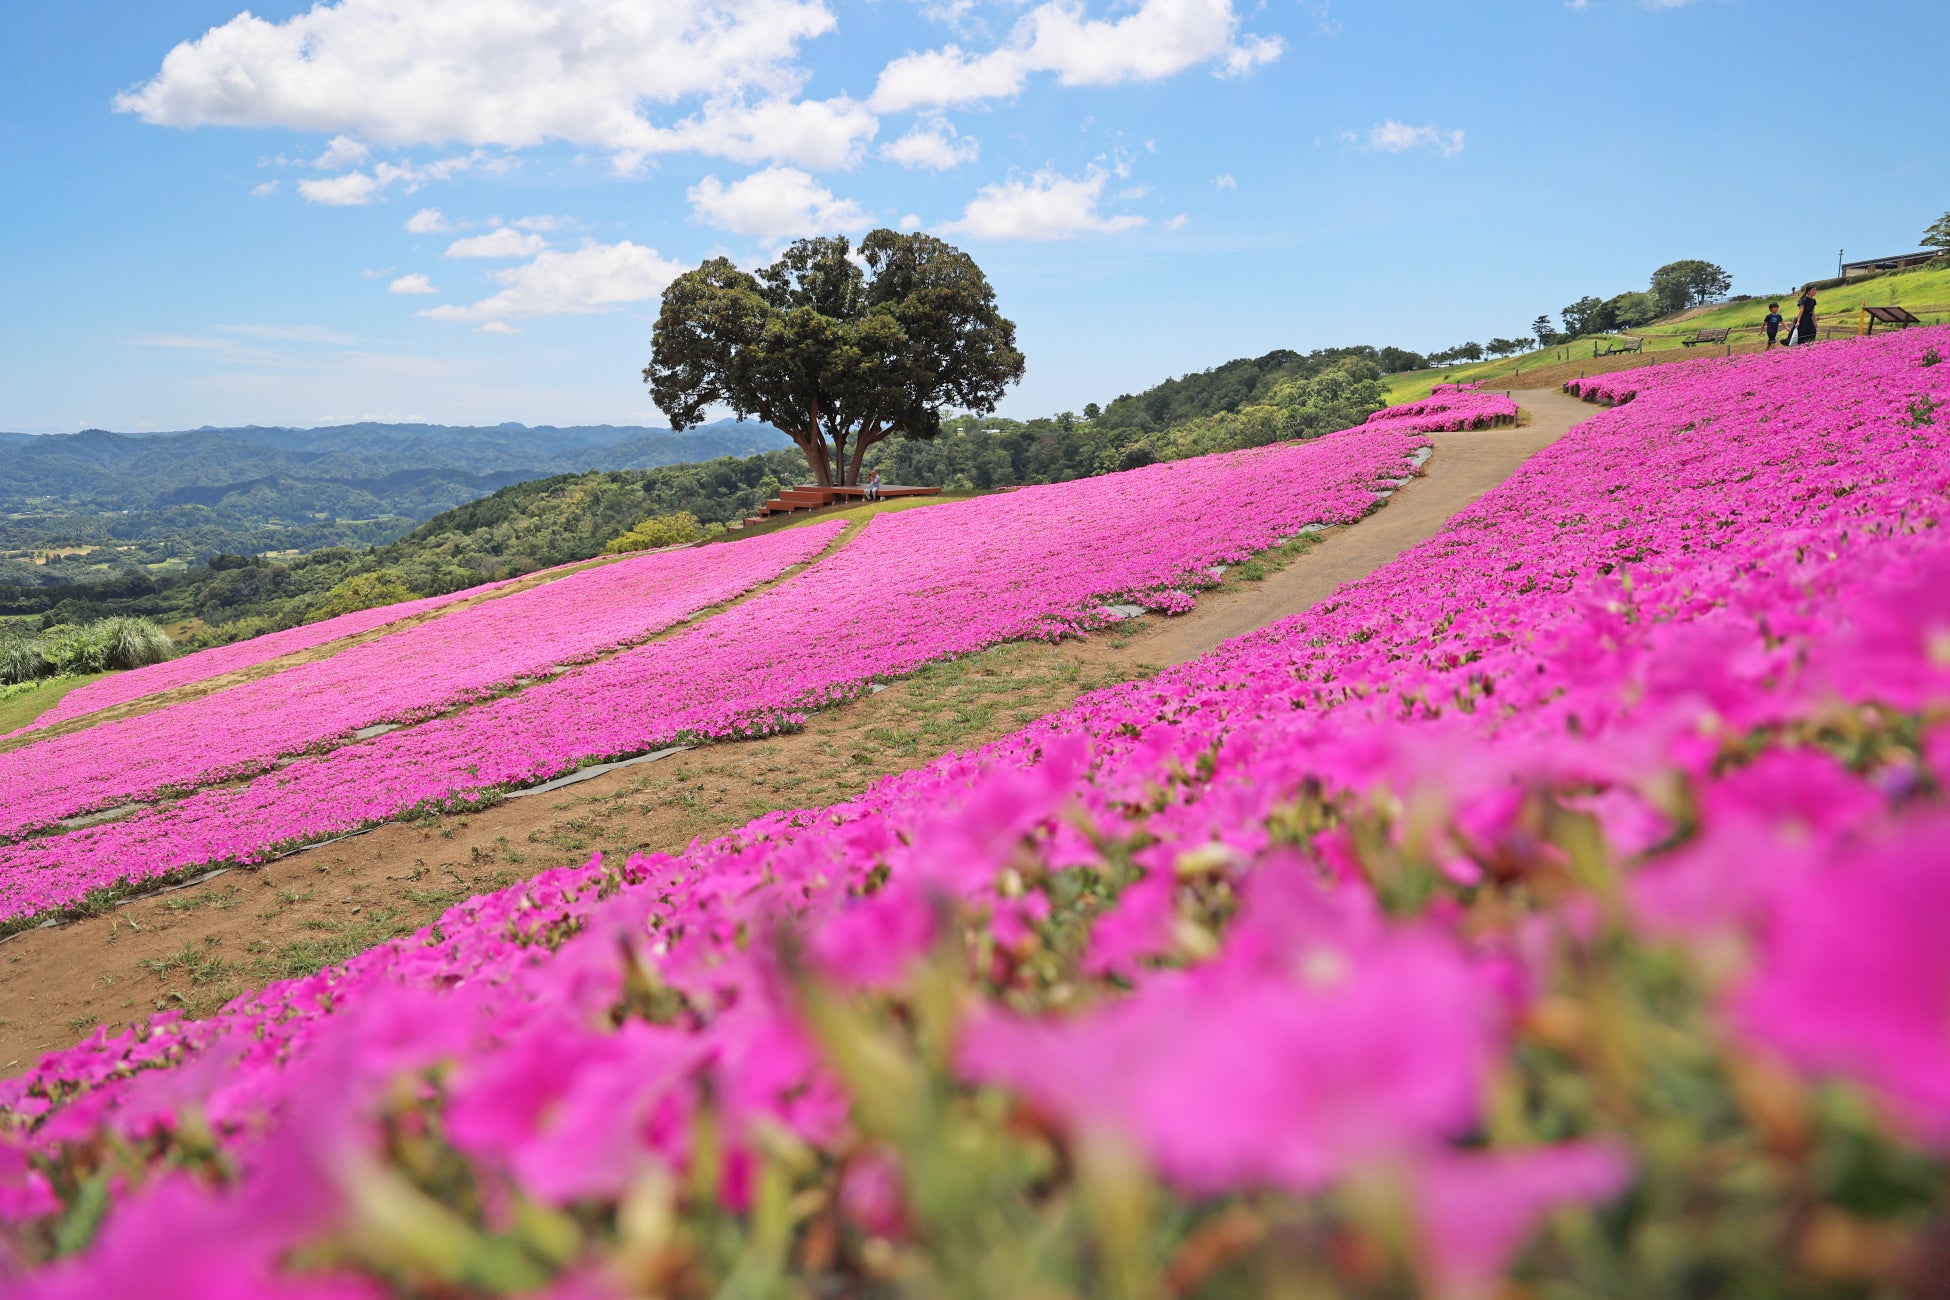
[[839, 351], [1938, 234], [1682, 284]]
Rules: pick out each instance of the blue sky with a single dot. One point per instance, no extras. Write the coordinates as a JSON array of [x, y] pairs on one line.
[[462, 211]]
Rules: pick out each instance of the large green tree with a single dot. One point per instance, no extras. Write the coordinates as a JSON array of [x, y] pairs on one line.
[[1682, 284], [1938, 235], [840, 350]]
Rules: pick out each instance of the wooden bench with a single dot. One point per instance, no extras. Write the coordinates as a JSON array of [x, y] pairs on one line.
[[1618, 347], [1704, 336], [811, 496]]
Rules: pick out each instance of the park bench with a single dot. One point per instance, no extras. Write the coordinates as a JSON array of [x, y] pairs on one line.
[[1618, 347], [1898, 316], [1704, 336]]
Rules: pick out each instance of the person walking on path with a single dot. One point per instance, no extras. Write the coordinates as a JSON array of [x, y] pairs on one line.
[[1804, 328], [1773, 322]]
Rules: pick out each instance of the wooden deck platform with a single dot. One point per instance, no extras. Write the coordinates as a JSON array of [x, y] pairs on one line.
[[810, 496]]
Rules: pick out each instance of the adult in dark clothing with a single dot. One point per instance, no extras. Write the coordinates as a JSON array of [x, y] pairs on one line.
[[1804, 329], [1773, 322]]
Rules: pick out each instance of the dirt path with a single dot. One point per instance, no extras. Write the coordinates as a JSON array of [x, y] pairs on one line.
[[195, 948], [1465, 466]]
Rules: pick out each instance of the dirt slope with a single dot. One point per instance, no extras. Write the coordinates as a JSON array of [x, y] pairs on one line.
[[194, 948]]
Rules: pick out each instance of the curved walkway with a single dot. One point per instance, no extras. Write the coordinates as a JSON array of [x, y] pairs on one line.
[[192, 948], [1465, 465]]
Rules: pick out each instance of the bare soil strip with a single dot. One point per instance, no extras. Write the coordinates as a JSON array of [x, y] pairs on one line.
[[194, 948]]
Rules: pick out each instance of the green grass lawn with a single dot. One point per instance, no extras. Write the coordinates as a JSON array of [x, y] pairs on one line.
[[21, 705], [1925, 292]]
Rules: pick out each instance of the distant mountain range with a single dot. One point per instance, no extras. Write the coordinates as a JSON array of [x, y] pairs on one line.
[[159, 497]]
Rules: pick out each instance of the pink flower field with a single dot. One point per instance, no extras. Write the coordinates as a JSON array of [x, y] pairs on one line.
[[202, 665], [1555, 911], [407, 675], [916, 587]]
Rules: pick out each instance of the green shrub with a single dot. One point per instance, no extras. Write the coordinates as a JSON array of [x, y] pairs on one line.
[[67, 650], [656, 531], [361, 591]]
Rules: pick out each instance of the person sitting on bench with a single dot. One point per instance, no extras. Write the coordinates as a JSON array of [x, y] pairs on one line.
[[873, 486]]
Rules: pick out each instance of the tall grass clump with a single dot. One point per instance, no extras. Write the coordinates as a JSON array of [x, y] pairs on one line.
[[67, 650]]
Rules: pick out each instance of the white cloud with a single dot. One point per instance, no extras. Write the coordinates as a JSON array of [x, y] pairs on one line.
[[505, 242], [356, 189], [1045, 205], [775, 204], [291, 333], [1178, 222], [820, 133], [541, 222], [912, 221], [413, 283], [352, 190], [593, 278], [342, 152], [496, 327], [1224, 181], [428, 221], [517, 73], [933, 144], [1160, 38], [1396, 137], [264, 191]]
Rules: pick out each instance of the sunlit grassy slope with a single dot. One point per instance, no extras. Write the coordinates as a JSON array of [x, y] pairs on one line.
[[1926, 293]]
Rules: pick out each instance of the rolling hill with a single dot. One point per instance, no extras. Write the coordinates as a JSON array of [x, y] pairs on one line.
[[89, 505]]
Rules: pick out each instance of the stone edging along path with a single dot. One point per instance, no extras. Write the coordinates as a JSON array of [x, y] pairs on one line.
[[55, 982]]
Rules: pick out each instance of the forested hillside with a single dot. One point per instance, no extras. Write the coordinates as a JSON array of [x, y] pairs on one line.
[[87, 506], [519, 529]]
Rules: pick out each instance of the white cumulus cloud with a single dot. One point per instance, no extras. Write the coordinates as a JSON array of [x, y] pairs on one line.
[[1044, 205], [593, 278], [356, 189], [428, 221], [1155, 40], [516, 73], [414, 283], [1396, 137], [933, 144], [342, 152], [496, 327], [774, 204], [265, 190], [504, 242]]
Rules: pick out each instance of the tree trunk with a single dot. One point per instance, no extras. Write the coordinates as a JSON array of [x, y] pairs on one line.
[[867, 438], [814, 445]]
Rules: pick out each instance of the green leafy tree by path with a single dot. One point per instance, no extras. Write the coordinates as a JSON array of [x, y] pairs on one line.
[[1630, 310], [837, 352], [1688, 282], [1938, 235], [361, 591], [656, 531], [1504, 347], [1588, 315], [1541, 327]]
